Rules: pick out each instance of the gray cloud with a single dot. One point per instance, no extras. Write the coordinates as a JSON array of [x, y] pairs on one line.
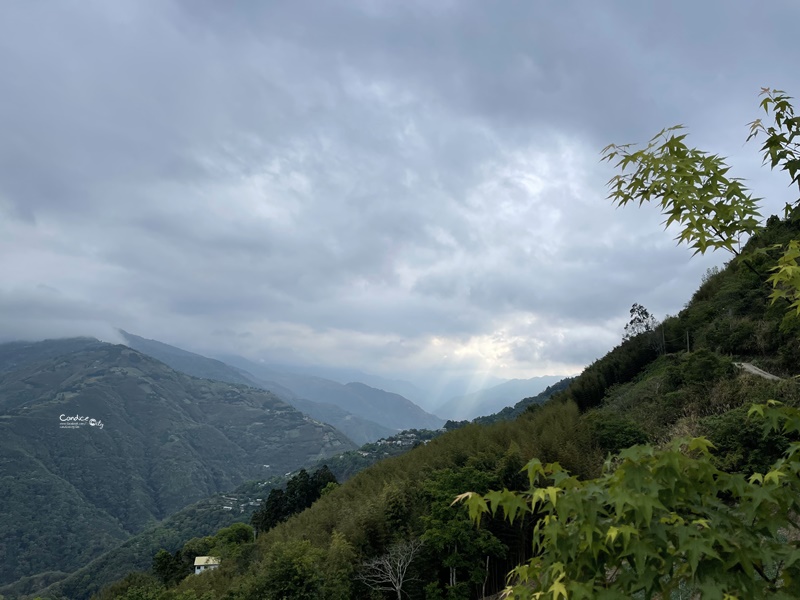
[[392, 186]]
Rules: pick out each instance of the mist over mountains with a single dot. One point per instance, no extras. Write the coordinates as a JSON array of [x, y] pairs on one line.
[[363, 413], [318, 390], [491, 400]]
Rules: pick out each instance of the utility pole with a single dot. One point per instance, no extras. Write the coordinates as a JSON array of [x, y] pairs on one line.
[[687, 341]]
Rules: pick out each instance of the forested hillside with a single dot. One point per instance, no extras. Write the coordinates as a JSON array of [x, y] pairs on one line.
[[99, 441], [205, 517], [702, 510]]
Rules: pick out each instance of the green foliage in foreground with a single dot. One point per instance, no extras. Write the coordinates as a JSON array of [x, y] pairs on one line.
[[712, 210], [657, 521]]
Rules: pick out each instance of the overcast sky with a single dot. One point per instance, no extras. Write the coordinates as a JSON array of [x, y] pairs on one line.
[[390, 186]]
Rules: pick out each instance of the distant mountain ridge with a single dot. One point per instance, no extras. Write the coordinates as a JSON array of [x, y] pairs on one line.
[[512, 412], [369, 413], [98, 440], [358, 429], [385, 408], [492, 400], [344, 376]]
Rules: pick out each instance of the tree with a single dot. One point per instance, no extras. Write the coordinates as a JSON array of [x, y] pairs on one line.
[[339, 565], [691, 187], [233, 535], [273, 511], [457, 546], [169, 568], [162, 566], [320, 480], [641, 322], [291, 570], [388, 572], [712, 210], [301, 492], [134, 586]]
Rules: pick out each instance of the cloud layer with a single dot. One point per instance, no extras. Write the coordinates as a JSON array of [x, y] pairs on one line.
[[390, 186]]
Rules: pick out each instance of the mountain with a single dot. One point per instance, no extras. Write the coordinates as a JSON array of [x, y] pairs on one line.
[[356, 428], [492, 400], [526, 404], [385, 408], [392, 408], [344, 375], [98, 440], [201, 519], [190, 363]]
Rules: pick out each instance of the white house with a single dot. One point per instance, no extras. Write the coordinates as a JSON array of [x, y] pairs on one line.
[[203, 563]]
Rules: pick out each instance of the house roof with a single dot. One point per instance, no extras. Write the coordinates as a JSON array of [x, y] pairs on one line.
[[205, 561]]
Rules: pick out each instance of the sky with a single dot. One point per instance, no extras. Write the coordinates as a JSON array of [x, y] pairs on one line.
[[405, 188]]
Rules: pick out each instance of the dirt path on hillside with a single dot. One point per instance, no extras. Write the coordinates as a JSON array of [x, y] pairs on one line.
[[756, 371]]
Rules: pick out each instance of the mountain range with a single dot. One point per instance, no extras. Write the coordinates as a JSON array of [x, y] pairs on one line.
[[492, 400], [98, 440], [361, 412]]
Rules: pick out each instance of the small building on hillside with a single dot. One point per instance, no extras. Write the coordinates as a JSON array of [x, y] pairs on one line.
[[205, 563]]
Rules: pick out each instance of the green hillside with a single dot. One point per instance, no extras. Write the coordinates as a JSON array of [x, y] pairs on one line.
[[201, 519], [98, 441]]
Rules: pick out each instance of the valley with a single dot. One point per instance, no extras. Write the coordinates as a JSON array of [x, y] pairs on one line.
[[164, 440]]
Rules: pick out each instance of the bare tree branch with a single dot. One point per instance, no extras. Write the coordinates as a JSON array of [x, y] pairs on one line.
[[388, 572]]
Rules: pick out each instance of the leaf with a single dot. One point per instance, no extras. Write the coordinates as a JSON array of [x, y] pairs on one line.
[[494, 498], [700, 443], [512, 504], [535, 469], [611, 534], [558, 589], [476, 505], [774, 477], [552, 493]]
